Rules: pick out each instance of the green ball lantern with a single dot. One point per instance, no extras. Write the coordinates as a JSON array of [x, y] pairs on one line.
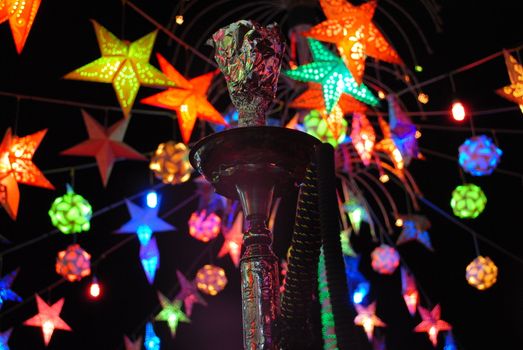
[[468, 201], [71, 213], [316, 126]]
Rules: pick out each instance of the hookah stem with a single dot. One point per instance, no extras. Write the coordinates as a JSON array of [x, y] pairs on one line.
[[330, 233]]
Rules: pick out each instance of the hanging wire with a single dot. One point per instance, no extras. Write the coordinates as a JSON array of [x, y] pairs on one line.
[[17, 113]]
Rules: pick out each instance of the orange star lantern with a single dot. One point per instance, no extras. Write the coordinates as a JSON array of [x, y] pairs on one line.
[[189, 99], [351, 29], [16, 166], [123, 64], [21, 15], [48, 318], [388, 146], [431, 323], [514, 91], [367, 319]]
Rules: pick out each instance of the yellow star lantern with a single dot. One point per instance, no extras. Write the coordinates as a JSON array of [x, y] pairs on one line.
[[514, 91], [351, 29], [189, 99], [21, 15], [125, 65]]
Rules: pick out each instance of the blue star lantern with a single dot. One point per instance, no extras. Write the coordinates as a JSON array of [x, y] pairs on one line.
[[6, 294]]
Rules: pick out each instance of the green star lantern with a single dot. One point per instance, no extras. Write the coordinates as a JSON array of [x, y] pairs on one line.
[[468, 201], [331, 72], [71, 213]]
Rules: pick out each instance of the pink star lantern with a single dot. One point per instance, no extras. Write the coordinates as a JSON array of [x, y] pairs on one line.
[[188, 293], [431, 323], [409, 291], [130, 345], [233, 238], [48, 318], [106, 144], [367, 318]]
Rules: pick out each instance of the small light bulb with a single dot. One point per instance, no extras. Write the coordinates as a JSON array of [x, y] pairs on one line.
[[417, 134], [423, 98], [458, 111], [384, 178], [418, 68], [152, 199], [399, 222], [381, 95], [94, 289], [179, 19]]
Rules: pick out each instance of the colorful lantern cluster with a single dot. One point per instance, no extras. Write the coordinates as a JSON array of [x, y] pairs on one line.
[[385, 259], [479, 155], [48, 318], [170, 163], [482, 273], [203, 226], [21, 15], [71, 213], [210, 279], [74, 263], [468, 201], [514, 91], [318, 127]]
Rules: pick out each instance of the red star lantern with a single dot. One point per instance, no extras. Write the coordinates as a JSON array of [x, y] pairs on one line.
[[514, 91], [351, 29], [363, 137], [21, 15], [48, 318], [189, 100], [233, 239], [431, 323], [105, 144], [367, 319], [16, 166]]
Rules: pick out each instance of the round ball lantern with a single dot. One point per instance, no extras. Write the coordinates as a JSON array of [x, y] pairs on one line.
[[316, 126], [74, 263], [170, 163], [210, 279], [71, 213], [468, 201], [482, 273], [204, 227], [385, 259], [479, 156]]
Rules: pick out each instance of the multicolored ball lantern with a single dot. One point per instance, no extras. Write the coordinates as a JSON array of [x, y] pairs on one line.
[[71, 212], [210, 279], [468, 201], [318, 127], [74, 263], [482, 273], [204, 227], [385, 259], [170, 163], [479, 155]]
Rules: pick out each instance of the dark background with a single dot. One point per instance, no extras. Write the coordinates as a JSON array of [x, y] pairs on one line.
[[62, 39]]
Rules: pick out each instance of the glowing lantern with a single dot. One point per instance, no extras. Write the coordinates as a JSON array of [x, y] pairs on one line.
[[318, 127], [363, 137], [385, 259], [210, 279], [6, 293], [458, 111], [71, 212], [150, 258], [409, 291], [74, 263], [94, 289], [170, 163], [431, 323], [21, 15], [4, 338], [468, 201], [514, 91], [48, 318], [151, 341], [204, 227], [367, 319], [479, 156], [482, 273], [171, 313]]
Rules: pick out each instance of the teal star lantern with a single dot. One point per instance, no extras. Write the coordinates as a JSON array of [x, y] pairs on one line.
[[71, 213], [468, 201], [331, 72], [171, 313]]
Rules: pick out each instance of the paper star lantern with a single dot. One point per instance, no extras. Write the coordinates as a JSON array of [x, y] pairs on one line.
[[357, 283], [409, 291], [450, 344], [233, 240], [204, 227], [125, 65], [330, 71], [189, 99], [415, 229], [144, 222], [318, 126], [431, 323], [403, 131], [170, 163], [385, 259], [514, 91], [468, 201], [21, 15], [4, 338], [388, 146], [48, 318], [74, 263], [482, 273], [363, 137], [130, 345], [346, 246], [6, 293], [16, 166], [71, 213], [479, 156], [171, 313], [105, 144], [210, 279], [312, 98], [151, 342], [150, 258], [367, 319], [356, 211], [188, 293]]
